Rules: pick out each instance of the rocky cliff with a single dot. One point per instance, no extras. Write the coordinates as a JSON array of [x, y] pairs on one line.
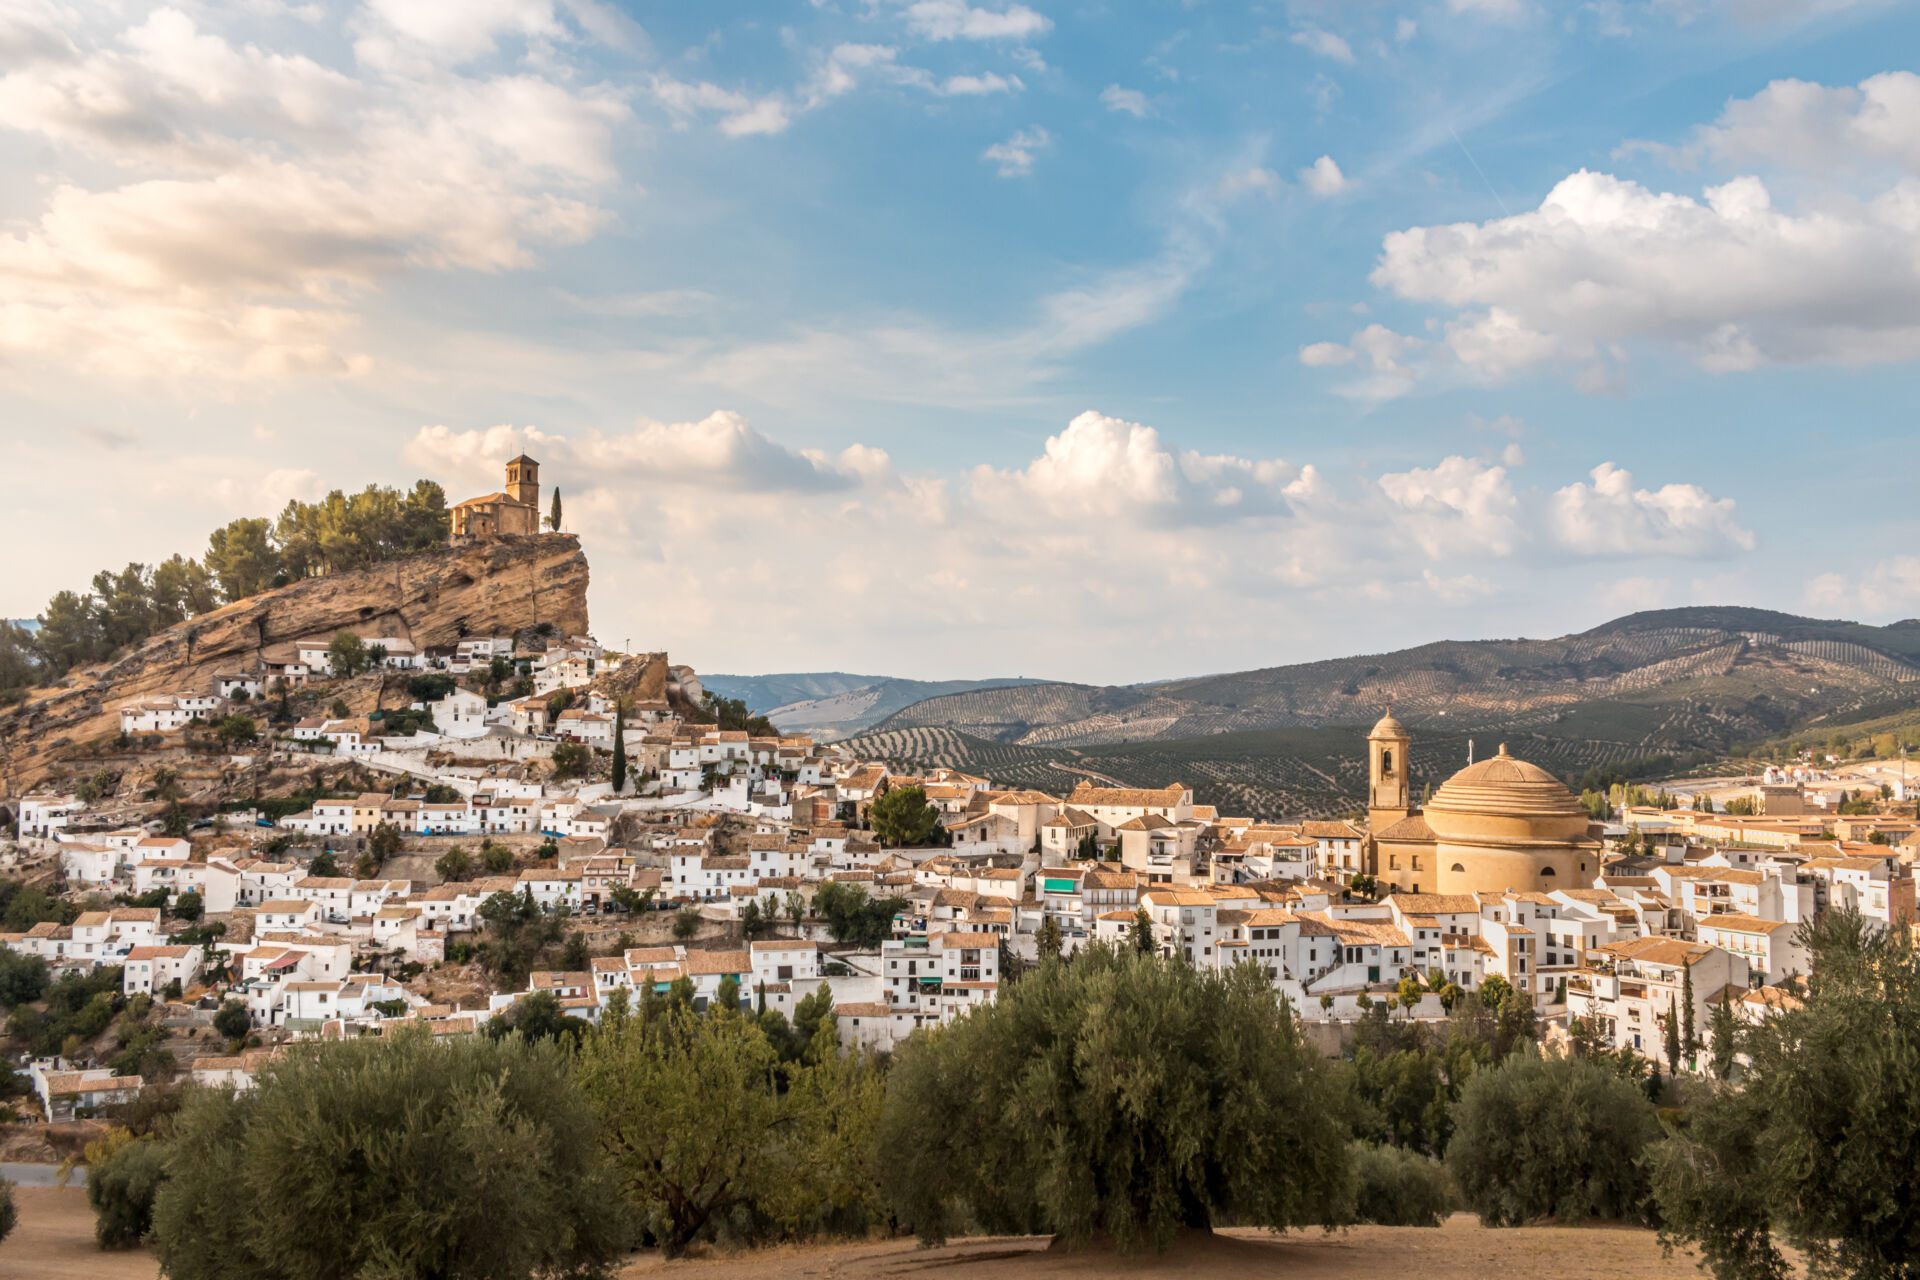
[[493, 587]]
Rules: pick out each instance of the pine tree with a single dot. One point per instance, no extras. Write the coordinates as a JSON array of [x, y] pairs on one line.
[[553, 514], [619, 730]]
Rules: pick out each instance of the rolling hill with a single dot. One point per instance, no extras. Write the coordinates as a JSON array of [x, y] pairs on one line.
[[832, 704], [1643, 693]]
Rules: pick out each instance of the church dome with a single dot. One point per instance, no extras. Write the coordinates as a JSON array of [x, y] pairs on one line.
[[1388, 727], [1507, 800]]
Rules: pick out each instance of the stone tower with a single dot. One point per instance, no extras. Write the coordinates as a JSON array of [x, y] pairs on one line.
[[1389, 778], [523, 481]]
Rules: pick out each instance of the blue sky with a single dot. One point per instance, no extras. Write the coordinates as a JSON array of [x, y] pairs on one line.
[[939, 338]]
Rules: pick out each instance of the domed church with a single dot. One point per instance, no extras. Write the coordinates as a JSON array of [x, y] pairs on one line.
[[1497, 825]]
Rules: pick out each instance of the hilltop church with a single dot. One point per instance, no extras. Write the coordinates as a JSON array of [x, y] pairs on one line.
[[1498, 825], [512, 513]]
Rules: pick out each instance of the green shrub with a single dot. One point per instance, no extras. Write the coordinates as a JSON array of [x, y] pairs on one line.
[[1400, 1188], [121, 1185]]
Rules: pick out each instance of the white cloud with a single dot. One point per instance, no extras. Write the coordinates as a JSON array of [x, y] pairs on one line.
[[1131, 101], [1324, 44], [1460, 506], [838, 72], [1323, 178], [721, 450], [1323, 355], [1405, 30], [1611, 517], [1814, 128], [1392, 364], [1729, 281], [468, 29], [1105, 467], [958, 20], [1887, 588], [741, 115], [977, 85], [1495, 10], [249, 198], [1014, 157], [1240, 181]]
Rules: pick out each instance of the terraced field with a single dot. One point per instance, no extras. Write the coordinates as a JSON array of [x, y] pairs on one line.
[[1270, 774]]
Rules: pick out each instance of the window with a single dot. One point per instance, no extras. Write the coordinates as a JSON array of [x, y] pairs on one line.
[[1457, 867], [1386, 763], [1547, 872]]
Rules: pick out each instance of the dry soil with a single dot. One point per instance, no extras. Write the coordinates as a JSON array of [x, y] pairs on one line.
[[54, 1241]]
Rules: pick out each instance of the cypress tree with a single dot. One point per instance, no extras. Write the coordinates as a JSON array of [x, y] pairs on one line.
[[1673, 1039], [619, 736], [553, 513], [1689, 1041]]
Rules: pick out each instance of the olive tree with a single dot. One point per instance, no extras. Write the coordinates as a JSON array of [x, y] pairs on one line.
[[466, 1158], [1559, 1138], [710, 1132], [1814, 1150], [1121, 1096]]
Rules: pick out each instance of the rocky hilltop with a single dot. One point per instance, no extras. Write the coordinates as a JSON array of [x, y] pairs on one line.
[[495, 586]]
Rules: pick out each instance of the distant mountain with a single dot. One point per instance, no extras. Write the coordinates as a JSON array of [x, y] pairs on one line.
[[1646, 691], [832, 704]]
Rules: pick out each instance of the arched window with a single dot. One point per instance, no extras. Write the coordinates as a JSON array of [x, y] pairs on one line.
[[1547, 871], [1386, 763], [1459, 868]]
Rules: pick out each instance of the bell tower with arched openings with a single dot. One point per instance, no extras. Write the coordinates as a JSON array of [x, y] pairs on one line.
[[523, 483], [1389, 775]]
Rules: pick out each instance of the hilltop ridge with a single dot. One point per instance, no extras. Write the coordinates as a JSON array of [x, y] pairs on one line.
[[435, 597], [1667, 686]]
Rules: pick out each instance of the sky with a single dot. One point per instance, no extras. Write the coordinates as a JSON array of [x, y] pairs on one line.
[[1094, 341]]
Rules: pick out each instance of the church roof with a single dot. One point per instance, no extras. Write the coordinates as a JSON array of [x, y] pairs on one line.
[[521, 458], [491, 500], [1388, 727], [1409, 830], [1503, 786]]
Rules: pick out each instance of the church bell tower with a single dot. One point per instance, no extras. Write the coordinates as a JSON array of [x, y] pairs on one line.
[[1389, 778], [523, 481]]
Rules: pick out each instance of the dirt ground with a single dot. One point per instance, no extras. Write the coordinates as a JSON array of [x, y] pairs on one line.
[[1461, 1248], [54, 1241]]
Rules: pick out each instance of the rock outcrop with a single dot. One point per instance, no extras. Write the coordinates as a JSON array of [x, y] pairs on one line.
[[491, 587]]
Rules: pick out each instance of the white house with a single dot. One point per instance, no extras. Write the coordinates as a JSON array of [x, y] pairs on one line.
[[150, 970], [41, 817]]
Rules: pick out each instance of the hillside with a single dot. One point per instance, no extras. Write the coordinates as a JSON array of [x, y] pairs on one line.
[[1670, 686], [832, 704], [431, 598]]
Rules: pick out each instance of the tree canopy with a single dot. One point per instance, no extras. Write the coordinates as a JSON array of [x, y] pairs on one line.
[[467, 1158], [1559, 1138], [1120, 1096], [902, 818], [708, 1128], [1814, 1150], [244, 557]]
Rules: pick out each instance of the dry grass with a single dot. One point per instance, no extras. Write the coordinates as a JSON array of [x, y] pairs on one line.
[[1461, 1248], [54, 1241]]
